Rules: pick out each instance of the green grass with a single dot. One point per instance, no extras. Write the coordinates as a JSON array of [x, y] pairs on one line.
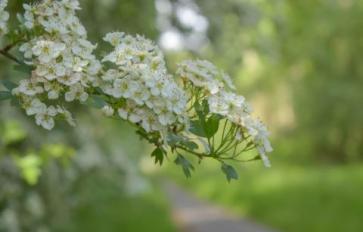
[[291, 199], [104, 207]]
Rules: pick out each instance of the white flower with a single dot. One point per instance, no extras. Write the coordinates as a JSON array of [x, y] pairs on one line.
[[217, 105], [203, 74], [261, 135], [94, 67], [83, 48], [125, 87], [114, 38], [110, 75], [47, 50], [4, 17], [35, 107], [122, 113], [53, 89], [227, 80], [28, 88], [76, 92], [45, 118], [264, 157], [77, 64], [70, 79], [156, 87], [47, 70], [135, 115], [153, 97], [108, 110], [67, 115], [26, 48], [140, 95], [238, 136], [3, 4], [139, 85], [166, 117], [71, 4], [28, 16], [62, 56]]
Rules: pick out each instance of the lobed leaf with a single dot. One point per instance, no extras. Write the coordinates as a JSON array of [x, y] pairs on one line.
[[229, 171], [158, 153], [185, 164]]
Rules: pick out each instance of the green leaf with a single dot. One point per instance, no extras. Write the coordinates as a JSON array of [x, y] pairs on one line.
[[174, 139], [204, 127], [5, 95], [9, 84], [212, 125], [23, 68], [96, 101], [14, 101], [189, 144], [196, 128], [200, 111], [229, 171], [158, 153], [205, 106], [206, 146], [185, 164]]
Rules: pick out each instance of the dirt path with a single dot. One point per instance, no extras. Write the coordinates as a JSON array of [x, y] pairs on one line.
[[193, 215]]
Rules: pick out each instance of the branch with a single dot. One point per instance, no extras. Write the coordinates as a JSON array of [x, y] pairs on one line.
[[9, 56], [6, 49]]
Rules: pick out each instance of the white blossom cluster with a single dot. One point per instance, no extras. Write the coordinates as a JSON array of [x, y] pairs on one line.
[[238, 111], [147, 94], [62, 60], [205, 75], [4, 17], [132, 79]]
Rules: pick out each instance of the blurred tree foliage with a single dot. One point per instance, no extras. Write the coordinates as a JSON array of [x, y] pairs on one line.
[[313, 48]]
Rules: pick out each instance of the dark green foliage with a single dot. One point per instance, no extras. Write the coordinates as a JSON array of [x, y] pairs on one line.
[[96, 101], [158, 155], [5, 95], [185, 164], [212, 125], [197, 128], [229, 171], [9, 85], [23, 68]]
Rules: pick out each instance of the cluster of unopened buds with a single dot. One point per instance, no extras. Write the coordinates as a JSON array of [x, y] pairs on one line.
[[193, 111]]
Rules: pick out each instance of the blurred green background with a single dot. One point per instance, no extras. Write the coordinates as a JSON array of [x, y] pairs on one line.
[[299, 62]]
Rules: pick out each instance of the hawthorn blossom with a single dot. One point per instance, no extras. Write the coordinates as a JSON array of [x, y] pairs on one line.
[[108, 110], [4, 17], [202, 73], [47, 50], [76, 92], [62, 57], [45, 118], [35, 106], [153, 98], [222, 101], [27, 87], [135, 85]]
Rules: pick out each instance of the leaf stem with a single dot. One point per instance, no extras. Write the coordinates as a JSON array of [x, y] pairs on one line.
[[5, 52], [9, 56]]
